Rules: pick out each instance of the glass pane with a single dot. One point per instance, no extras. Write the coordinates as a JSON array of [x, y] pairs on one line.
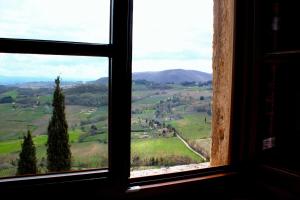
[[63, 20], [172, 86], [27, 86]]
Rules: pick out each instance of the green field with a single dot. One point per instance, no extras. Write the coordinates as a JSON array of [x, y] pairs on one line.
[[11, 146], [151, 100], [15, 122], [12, 93], [196, 132], [180, 108], [193, 126], [164, 151], [158, 114], [87, 155], [31, 110]]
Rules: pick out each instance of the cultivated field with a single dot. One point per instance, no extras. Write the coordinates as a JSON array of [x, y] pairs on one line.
[[160, 113]]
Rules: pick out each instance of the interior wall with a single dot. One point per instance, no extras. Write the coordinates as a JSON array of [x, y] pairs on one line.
[[222, 80]]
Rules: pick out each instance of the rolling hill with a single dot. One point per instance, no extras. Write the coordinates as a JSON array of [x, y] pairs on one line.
[[169, 76], [166, 76]]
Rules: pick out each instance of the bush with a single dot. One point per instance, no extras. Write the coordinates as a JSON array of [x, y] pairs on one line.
[[7, 99], [160, 161]]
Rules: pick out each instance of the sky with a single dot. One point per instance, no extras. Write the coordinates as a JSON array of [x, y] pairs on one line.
[[167, 34]]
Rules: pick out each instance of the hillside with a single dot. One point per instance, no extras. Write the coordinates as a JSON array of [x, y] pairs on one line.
[[162, 116], [174, 76], [169, 76]]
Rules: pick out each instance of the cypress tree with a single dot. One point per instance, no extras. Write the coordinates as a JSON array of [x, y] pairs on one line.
[[27, 157], [58, 148]]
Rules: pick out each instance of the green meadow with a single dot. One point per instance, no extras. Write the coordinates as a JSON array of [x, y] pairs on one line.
[[166, 151], [159, 115]]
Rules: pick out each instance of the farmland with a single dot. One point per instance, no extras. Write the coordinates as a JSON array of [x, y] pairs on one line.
[[25, 108], [160, 113]]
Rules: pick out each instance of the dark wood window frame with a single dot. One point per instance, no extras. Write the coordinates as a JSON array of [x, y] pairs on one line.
[[119, 52]]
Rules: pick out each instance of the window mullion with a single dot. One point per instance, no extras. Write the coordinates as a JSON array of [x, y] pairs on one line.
[[8, 45], [120, 92]]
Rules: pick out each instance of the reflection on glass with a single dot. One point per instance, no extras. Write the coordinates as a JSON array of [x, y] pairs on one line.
[[27, 85], [63, 20], [172, 86]]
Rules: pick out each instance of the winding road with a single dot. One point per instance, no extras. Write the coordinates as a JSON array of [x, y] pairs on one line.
[[190, 148]]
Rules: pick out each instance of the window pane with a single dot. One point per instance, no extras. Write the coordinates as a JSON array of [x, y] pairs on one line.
[[26, 104], [172, 86], [63, 20]]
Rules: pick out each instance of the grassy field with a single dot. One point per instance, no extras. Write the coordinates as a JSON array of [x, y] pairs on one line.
[[193, 126], [163, 151], [14, 122], [88, 151], [12, 93], [11, 146], [85, 155], [196, 132], [151, 100], [11, 171], [151, 146]]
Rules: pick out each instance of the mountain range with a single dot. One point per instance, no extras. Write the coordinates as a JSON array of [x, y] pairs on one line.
[[169, 76], [166, 76], [174, 76]]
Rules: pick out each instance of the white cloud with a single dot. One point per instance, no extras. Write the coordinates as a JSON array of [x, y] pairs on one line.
[[50, 66], [166, 34], [80, 20], [169, 27]]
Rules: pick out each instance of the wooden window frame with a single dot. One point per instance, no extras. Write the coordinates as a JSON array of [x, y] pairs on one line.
[[119, 52]]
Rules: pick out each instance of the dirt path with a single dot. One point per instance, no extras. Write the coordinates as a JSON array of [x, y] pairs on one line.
[[190, 148]]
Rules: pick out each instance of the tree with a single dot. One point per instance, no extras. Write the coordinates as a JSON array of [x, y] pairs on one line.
[[8, 99], [27, 157], [93, 129], [58, 147]]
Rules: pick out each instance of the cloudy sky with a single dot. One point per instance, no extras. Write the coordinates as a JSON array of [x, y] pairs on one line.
[[167, 34]]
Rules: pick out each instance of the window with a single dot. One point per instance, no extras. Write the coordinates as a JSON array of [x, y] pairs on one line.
[[172, 86], [26, 99], [113, 122], [30, 66], [80, 21]]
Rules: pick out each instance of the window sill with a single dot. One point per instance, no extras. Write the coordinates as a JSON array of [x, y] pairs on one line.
[[165, 187], [53, 178], [168, 170]]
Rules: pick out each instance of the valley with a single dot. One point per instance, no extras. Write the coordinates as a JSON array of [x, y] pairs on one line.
[[163, 114]]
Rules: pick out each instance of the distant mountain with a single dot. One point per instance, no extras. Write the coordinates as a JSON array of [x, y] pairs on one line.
[[47, 84], [173, 75], [103, 80], [168, 76], [9, 80], [35, 82]]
